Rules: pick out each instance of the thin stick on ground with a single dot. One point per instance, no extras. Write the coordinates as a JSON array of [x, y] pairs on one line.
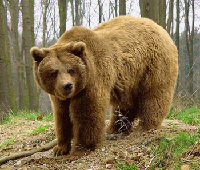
[[28, 153]]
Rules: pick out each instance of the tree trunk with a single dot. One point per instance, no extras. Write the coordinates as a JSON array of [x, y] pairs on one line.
[[177, 24], [28, 42], [45, 5], [191, 38], [72, 11], [177, 39], [4, 56], [170, 19], [83, 11], [162, 13], [147, 8], [77, 13], [159, 13], [100, 10], [14, 13], [155, 10], [122, 7], [90, 14], [62, 14], [116, 2]]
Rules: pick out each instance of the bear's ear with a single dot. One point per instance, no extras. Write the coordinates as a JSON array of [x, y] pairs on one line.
[[37, 54], [78, 49]]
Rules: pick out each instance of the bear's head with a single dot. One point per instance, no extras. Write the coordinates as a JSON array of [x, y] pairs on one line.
[[61, 69]]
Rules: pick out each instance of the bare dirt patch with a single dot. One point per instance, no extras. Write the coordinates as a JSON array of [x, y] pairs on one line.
[[127, 149]]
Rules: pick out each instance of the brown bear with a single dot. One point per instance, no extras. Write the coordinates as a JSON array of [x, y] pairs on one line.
[[129, 63]]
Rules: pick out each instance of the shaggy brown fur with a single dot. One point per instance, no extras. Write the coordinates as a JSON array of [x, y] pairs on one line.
[[129, 63]]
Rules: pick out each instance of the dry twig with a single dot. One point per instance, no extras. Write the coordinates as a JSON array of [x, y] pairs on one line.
[[28, 153]]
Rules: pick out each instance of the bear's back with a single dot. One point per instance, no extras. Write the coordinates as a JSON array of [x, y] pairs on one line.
[[136, 35], [130, 24]]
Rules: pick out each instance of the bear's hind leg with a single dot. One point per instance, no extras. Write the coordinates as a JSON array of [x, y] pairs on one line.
[[153, 108]]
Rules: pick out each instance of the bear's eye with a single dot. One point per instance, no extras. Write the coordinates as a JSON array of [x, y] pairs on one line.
[[71, 72], [54, 73]]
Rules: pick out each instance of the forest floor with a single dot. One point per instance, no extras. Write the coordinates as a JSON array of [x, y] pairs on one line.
[[136, 151]]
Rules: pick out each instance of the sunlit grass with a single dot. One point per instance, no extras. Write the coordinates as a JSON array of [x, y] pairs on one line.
[[6, 143], [189, 116], [168, 151], [40, 129], [122, 166], [27, 115]]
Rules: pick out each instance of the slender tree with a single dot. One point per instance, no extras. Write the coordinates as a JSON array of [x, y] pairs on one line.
[[100, 10], [77, 13], [83, 10], [170, 18], [177, 39], [116, 2], [177, 24], [191, 60], [45, 5], [72, 12], [189, 40], [89, 19]]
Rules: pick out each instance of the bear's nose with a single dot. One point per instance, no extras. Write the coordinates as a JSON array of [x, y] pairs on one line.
[[68, 86]]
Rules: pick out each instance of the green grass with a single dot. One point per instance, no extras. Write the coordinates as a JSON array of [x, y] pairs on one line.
[[26, 115], [189, 116], [48, 117], [168, 151], [6, 142], [40, 129], [122, 166]]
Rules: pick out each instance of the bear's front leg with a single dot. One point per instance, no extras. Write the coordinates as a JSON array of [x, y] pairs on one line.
[[88, 117], [63, 125]]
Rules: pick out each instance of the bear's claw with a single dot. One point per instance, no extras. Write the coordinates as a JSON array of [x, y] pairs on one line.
[[59, 151]]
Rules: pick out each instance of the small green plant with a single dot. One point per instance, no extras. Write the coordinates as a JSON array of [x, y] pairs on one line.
[[168, 151], [51, 137], [7, 142], [198, 131], [40, 129], [48, 117], [189, 115]]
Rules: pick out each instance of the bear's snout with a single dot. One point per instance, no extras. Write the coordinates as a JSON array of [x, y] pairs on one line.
[[68, 87]]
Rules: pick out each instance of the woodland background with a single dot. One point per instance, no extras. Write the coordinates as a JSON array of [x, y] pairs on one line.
[[26, 23]]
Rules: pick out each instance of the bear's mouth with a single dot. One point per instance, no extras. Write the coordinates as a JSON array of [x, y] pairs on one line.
[[60, 95], [63, 95]]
